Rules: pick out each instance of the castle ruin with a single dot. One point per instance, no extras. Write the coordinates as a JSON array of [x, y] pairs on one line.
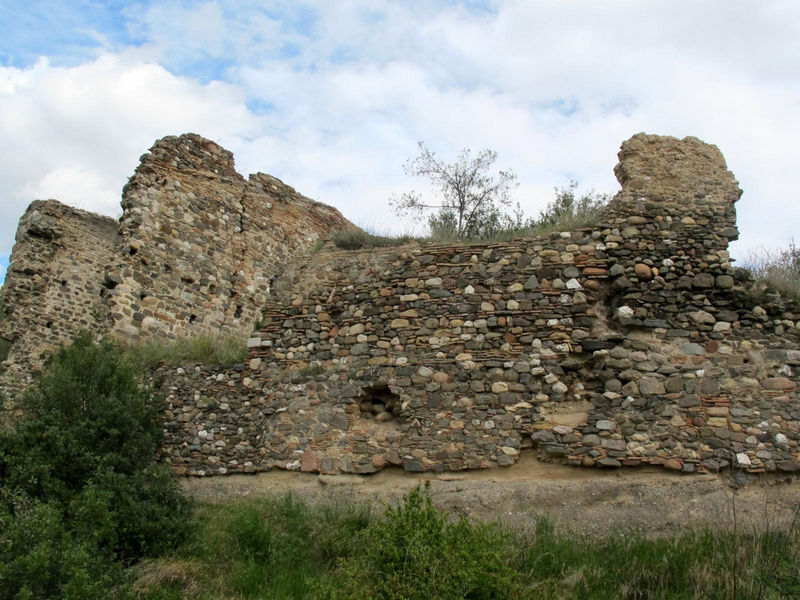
[[633, 342]]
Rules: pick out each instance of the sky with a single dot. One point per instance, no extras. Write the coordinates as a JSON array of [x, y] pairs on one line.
[[332, 97]]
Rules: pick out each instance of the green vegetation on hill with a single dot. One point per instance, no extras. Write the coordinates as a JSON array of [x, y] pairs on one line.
[[81, 494], [282, 547]]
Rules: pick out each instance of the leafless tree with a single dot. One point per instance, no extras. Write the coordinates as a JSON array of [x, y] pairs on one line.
[[472, 200]]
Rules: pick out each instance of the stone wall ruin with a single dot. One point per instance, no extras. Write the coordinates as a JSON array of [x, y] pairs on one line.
[[634, 342], [630, 343], [194, 252]]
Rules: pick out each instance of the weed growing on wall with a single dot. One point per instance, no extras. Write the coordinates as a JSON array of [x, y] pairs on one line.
[[354, 239], [205, 349], [778, 269], [569, 210]]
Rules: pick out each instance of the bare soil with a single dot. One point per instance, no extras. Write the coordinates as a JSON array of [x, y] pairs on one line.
[[593, 501]]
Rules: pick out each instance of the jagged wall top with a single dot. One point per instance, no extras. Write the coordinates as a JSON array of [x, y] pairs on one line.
[[666, 168], [193, 252], [201, 243]]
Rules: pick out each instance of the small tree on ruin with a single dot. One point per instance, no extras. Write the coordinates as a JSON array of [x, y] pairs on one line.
[[472, 200]]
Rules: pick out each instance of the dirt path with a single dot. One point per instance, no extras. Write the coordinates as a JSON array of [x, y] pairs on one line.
[[593, 501]]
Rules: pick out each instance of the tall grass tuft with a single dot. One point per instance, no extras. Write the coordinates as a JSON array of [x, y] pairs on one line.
[[203, 348], [416, 552], [778, 269], [355, 239]]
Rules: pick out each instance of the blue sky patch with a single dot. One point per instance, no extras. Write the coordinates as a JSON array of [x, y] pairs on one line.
[[257, 106], [566, 107], [3, 267], [203, 68], [67, 32]]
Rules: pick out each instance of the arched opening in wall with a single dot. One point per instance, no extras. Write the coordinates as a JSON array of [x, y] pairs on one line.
[[380, 403]]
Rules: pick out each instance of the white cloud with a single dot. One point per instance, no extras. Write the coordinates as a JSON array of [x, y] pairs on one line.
[[77, 187], [347, 89], [75, 134]]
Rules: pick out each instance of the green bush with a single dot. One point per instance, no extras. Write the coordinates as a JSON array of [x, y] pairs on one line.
[[416, 552], [41, 558], [571, 211], [80, 470]]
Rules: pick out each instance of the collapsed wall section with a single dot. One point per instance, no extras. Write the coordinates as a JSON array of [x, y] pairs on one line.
[[633, 342]]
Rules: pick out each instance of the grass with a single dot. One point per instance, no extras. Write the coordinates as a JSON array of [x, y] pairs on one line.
[[316, 247], [778, 269], [283, 547], [355, 239], [277, 547], [350, 239], [205, 349], [568, 211]]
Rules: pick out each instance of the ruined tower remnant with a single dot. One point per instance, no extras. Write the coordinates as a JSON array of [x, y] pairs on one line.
[[193, 252]]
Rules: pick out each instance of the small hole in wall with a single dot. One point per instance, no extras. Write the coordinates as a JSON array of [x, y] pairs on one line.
[[49, 325], [192, 318], [143, 295], [238, 312], [212, 289], [132, 251], [380, 403], [167, 268], [63, 283]]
